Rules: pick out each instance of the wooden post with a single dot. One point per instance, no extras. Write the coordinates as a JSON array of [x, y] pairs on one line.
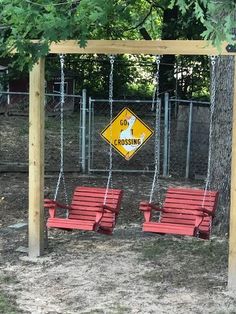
[[36, 159], [232, 225]]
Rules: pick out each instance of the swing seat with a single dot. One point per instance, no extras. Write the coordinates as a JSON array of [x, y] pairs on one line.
[[87, 211], [182, 213]]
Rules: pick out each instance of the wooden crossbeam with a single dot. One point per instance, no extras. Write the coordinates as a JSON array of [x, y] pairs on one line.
[[36, 134], [154, 47]]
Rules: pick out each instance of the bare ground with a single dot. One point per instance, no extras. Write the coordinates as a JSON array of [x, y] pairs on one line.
[[130, 272]]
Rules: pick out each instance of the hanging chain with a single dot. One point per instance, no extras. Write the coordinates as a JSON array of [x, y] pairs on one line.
[[61, 176], [109, 179], [212, 109], [156, 82], [156, 102]]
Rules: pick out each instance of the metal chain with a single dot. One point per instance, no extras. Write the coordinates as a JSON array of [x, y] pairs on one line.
[[109, 179], [212, 109], [156, 100], [61, 176], [156, 82]]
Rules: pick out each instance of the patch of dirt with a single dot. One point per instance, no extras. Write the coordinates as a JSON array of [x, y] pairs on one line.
[[130, 272], [84, 272]]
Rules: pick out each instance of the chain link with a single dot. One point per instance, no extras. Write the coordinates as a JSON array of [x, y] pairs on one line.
[[61, 176], [156, 103], [109, 179], [156, 82], [212, 109]]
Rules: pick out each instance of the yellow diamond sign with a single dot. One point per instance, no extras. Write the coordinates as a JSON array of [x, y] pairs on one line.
[[127, 133]]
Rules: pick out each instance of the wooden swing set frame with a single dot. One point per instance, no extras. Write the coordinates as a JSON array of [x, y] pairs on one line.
[[37, 128]]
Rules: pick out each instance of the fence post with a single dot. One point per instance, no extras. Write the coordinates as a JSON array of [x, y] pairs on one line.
[[89, 134], [166, 124], [189, 140], [8, 93], [83, 142]]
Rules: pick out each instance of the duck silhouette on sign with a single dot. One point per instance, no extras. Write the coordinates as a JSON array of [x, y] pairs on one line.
[[127, 137]]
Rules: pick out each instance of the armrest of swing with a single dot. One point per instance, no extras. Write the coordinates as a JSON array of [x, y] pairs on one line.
[[109, 209], [101, 210], [206, 211], [146, 206], [203, 212], [53, 205]]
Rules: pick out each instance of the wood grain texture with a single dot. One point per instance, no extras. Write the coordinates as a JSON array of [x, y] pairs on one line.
[[36, 160], [154, 47]]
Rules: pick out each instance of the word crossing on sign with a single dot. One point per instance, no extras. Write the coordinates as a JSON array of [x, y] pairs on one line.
[[127, 133]]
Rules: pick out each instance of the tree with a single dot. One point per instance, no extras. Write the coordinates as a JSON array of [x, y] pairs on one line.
[[218, 18], [24, 20]]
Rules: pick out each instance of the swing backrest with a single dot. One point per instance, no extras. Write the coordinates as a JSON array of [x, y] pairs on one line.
[[87, 201], [188, 201]]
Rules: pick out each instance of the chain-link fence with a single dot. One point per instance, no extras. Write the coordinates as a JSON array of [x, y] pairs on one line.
[[17, 103], [188, 138], [14, 132], [98, 148], [184, 135]]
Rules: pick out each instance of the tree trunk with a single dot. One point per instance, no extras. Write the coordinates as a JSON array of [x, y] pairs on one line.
[[169, 31], [220, 167]]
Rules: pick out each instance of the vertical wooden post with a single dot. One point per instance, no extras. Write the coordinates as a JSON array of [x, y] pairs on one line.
[[232, 226], [36, 159]]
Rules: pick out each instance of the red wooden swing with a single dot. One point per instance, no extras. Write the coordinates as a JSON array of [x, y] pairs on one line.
[[91, 208], [182, 213], [87, 211], [185, 211]]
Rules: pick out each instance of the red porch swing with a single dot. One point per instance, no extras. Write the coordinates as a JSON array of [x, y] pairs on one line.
[[185, 211], [91, 208]]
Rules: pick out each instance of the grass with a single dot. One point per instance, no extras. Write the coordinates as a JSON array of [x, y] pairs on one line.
[[71, 123], [6, 305], [115, 309], [215, 251], [108, 287], [120, 309], [52, 124], [185, 262], [8, 279]]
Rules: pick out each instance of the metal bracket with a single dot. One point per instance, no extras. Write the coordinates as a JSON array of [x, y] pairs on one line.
[[231, 48]]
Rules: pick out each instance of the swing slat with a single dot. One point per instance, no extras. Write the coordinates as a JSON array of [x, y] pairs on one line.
[[182, 213], [87, 211]]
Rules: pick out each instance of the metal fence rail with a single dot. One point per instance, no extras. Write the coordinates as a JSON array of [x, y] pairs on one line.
[[14, 131], [184, 134], [184, 126], [18, 102]]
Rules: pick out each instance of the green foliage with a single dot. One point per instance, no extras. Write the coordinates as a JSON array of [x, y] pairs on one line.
[[46, 21], [25, 20], [193, 74], [217, 16], [133, 75], [6, 306]]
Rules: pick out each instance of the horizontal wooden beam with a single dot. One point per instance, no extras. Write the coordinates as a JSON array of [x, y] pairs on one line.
[[154, 47]]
